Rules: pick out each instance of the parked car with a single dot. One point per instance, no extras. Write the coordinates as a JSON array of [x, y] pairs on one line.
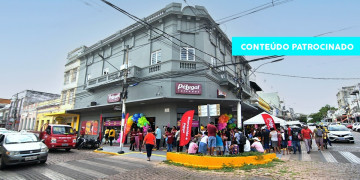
[[21, 148], [311, 124], [349, 126], [57, 136], [340, 133], [354, 125]]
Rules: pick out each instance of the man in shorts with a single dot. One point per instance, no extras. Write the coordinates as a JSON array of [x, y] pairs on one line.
[[212, 137], [274, 140], [319, 136]]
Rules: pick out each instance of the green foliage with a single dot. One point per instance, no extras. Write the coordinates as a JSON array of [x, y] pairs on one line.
[[303, 118], [317, 117]]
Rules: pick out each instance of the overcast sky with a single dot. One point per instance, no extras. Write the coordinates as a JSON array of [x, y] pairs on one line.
[[35, 37]]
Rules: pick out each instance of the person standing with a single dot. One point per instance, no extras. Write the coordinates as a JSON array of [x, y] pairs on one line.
[[141, 138], [132, 139], [107, 135], [212, 137], [266, 139], [219, 144], [158, 137], [274, 140], [111, 136], [319, 136], [149, 142], [240, 139], [170, 139], [296, 140], [177, 137], [203, 143], [306, 135], [228, 140]]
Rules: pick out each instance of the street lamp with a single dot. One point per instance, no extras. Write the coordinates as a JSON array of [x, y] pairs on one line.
[[276, 60]]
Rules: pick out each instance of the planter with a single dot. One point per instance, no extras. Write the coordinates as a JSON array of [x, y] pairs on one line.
[[214, 162]]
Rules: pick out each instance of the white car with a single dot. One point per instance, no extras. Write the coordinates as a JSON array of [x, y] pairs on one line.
[[340, 133], [356, 127]]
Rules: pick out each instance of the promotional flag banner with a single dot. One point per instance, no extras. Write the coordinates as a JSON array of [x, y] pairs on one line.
[[269, 121], [185, 127]]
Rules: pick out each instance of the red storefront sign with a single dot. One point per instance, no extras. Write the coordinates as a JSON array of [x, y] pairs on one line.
[[185, 127], [188, 88], [113, 98]]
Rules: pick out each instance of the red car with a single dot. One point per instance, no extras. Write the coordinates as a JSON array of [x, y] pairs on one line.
[[349, 126], [57, 136]]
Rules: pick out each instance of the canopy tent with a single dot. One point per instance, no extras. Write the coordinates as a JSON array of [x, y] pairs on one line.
[[258, 119], [293, 123]]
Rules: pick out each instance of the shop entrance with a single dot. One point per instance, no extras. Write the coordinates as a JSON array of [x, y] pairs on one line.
[[152, 122]]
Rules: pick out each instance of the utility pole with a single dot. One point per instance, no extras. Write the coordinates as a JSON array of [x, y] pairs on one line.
[[124, 94]]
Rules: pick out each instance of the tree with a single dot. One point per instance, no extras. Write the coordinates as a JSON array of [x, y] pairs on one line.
[[303, 118], [317, 117]]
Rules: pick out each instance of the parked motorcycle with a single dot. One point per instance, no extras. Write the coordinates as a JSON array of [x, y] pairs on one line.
[[83, 143]]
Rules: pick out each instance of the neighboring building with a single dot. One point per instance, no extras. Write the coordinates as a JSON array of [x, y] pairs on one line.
[[274, 101], [67, 100], [18, 102], [164, 80], [4, 111], [348, 102]]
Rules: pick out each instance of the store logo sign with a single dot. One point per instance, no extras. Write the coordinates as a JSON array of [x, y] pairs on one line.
[[113, 98], [188, 88]]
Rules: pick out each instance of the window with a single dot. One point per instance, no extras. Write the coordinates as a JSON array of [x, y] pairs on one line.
[[155, 57], [73, 75], [213, 62], [71, 96], [67, 77], [63, 98], [187, 54]]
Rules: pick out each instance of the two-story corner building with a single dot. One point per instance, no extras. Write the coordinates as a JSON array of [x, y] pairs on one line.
[[19, 101], [4, 110], [166, 78], [67, 100]]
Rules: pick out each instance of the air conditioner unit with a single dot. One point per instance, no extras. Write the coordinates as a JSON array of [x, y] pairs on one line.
[[93, 103], [106, 71]]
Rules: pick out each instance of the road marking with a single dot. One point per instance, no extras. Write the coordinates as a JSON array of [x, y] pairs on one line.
[[350, 157], [305, 156], [328, 156], [122, 162], [83, 170], [52, 174], [116, 168], [10, 175]]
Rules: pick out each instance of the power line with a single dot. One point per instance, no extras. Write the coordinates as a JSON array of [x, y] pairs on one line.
[[308, 77]]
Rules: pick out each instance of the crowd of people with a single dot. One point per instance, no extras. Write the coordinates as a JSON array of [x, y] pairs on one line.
[[208, 140]]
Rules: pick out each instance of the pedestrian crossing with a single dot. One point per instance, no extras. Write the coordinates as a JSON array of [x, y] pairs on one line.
[[324, 156], [97, 168]]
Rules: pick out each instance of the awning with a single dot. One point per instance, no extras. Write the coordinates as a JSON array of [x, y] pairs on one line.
[[61, 113], [258, 119], [293, 123]]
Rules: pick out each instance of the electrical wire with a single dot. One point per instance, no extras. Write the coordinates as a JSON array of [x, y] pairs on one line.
[[308, 77]]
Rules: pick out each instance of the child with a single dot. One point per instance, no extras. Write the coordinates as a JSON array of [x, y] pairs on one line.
[[193, 147], [203, 144], [219, 144], [234, 148]]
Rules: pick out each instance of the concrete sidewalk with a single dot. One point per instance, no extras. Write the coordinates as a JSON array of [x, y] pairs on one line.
[[157, 155]]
